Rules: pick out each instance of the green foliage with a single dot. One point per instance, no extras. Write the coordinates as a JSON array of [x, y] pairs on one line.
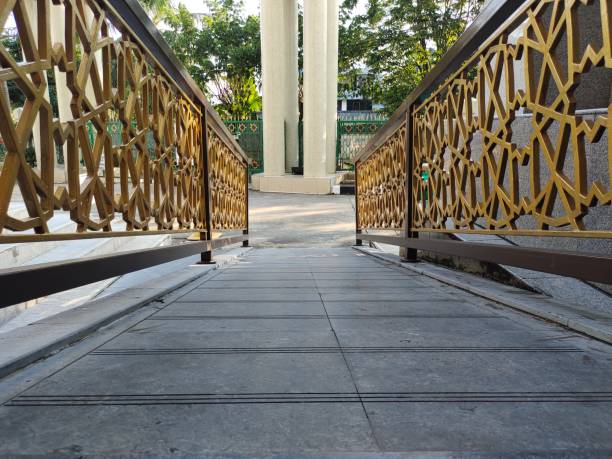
[[238, 97], [157, 10], [222, 54], [16, 97], [226, 43], [398, 41]]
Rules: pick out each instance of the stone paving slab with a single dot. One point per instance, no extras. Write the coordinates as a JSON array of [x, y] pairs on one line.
[[269, 282], [415, 294], [263, 294], [442, 308], [459, 338], [325, 284], [427, 324], [246, 308], [255, 276], [478, 371], [183, 429], [493, 426], [162, 373], [303, 356], [194, 324], [223, 340], [365, 276]]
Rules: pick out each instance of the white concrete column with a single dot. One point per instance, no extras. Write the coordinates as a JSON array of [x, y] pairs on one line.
[[332, 84], [273, 85], [315, 88], [292, 114]]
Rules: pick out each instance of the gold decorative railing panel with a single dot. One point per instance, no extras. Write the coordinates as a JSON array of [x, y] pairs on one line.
[[500, 146], [152, 180], [228, 178], [381, 193]]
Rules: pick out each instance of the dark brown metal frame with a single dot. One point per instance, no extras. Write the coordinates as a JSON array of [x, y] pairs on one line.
[[29, 282], [591, 267]]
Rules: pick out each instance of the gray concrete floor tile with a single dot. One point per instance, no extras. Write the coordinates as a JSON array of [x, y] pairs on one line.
[[262, 294], [419, 294], [255, 276], [352, 337], [478, 370], [407, 282], [193, 324], [447, 308], [245, 308], [181, 339], [423, 324], [498, 427], [183, 429], [142, 372], [367, 276], [251, 284]]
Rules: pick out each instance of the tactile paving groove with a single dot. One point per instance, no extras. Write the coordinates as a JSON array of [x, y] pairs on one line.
[[329, 350], [331, 316], [265, 398]]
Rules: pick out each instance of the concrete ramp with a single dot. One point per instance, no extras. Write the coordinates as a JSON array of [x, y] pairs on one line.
[[312, 353]]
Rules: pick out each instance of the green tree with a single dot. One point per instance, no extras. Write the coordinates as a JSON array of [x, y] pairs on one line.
[[398, 42], [238, 97], [221, 52], [157, 10]]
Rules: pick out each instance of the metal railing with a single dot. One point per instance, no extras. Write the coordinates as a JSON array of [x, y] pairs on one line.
[[493, 142], [174, 168]]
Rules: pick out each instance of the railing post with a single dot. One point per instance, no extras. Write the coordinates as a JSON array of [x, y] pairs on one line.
[[245, 231], [206, 257], [358, 242], [408, 254]]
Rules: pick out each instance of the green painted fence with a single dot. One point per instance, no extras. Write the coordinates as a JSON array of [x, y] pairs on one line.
[[351, 137]]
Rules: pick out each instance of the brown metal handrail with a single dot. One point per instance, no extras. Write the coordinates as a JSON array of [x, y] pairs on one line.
[[424, 172], [191, 177]]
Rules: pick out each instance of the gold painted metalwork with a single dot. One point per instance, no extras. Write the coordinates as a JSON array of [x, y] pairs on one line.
[[228, 178], [152, 180], [381, 178], [481, 176]]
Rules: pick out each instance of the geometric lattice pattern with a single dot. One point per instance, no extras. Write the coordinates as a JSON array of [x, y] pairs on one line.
[[228, 181], [151, 179], [381, 191], [479, 175]]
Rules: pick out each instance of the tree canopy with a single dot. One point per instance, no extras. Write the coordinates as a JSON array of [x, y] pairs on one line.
[[385, 50], [222, 53], [397, 42]]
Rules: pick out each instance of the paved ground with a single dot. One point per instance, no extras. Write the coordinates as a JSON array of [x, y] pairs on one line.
[[301, 220], [310, 350]]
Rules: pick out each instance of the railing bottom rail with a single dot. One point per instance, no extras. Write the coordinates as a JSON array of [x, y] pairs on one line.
[[589, 267], [36, 281]]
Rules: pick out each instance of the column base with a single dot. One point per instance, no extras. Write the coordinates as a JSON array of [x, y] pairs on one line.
[[295, 183]]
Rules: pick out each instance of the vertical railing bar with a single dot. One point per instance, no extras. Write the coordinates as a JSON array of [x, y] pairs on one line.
[[358, 242], [245, 231], [409, 254], [206, 257]]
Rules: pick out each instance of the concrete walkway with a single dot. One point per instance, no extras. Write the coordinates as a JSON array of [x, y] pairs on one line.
[[310, 351]]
